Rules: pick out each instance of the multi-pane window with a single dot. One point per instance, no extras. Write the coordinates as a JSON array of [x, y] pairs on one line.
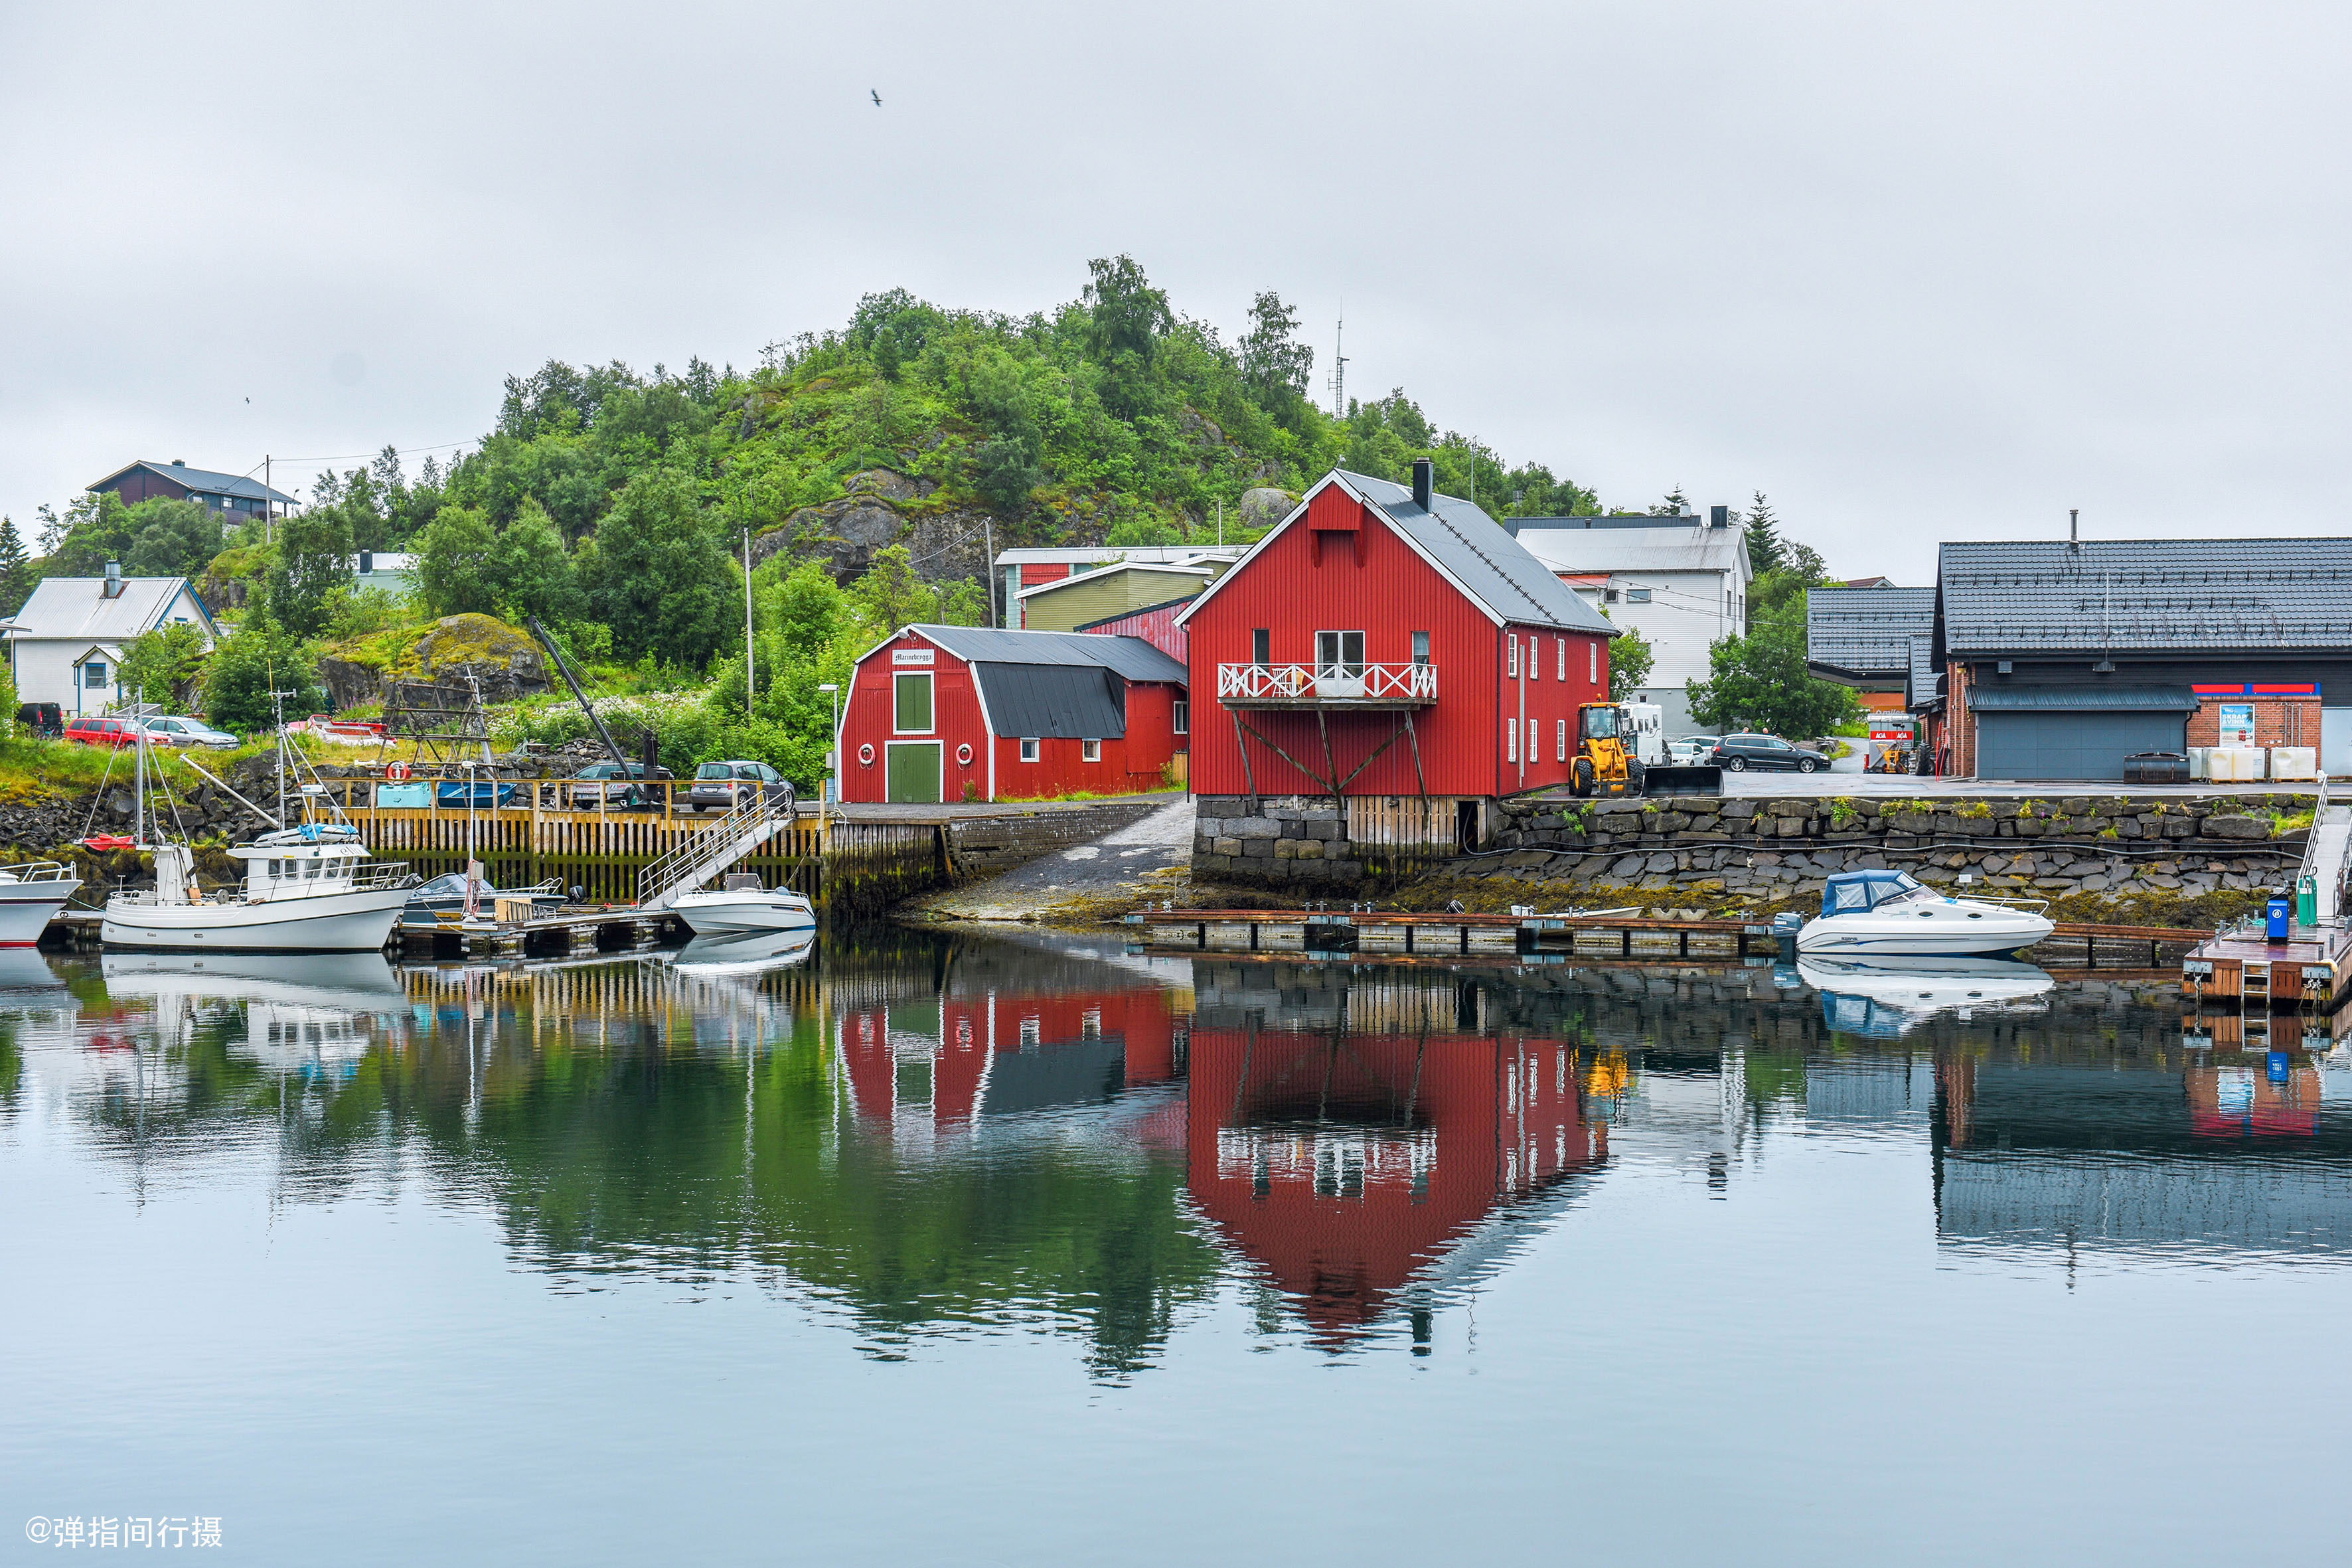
[[1339, 653], [1421, 647], [1514, 656], [1559, 740]]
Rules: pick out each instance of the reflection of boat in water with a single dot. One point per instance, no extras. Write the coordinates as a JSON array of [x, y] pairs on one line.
[[1883, 914], [745, 952], [1882, 999], [26, 977], [300, 1009]]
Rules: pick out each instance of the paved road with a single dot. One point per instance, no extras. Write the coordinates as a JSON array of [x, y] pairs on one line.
[[1789, 786], [1148, 859]]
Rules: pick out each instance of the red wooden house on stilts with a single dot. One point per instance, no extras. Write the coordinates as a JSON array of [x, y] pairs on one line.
[[1393, 652]]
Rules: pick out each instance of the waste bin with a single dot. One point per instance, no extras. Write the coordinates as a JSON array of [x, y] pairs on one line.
[[2155, 767], [2278, 919]]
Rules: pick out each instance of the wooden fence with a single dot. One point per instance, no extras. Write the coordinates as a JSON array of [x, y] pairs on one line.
[[1394, 833], [847, 865]]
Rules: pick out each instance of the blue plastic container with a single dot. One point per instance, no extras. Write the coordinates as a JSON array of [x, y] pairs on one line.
[[2280, 920]]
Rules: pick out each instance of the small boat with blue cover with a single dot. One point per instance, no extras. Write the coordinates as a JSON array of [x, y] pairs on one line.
[[1883, 914]]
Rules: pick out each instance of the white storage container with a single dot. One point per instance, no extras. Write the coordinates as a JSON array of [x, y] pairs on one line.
[[2246, 764], [2197, 761], [2294, 762]]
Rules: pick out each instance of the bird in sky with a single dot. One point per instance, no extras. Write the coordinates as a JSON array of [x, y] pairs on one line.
[[877, 98]]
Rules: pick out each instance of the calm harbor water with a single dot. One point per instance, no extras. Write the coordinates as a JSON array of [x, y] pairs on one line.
[[920, 1250]]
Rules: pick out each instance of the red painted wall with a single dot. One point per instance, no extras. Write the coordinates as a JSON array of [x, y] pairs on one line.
[[1299, 1150], [971, 1031], [1156, 626], [1464, 746], [1130, 765]]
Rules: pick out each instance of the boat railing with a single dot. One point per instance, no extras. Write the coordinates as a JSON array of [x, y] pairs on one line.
[[39, 871], [2005, 901]]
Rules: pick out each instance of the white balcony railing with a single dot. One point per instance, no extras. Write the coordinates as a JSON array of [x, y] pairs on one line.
[[1304, 683]]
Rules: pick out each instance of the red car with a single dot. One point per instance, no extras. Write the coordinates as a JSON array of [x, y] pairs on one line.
[[93, 731]]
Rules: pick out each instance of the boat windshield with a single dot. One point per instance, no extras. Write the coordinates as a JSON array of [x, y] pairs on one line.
[[1852, 892]]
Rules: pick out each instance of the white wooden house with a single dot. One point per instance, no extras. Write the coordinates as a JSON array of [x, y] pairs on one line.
[[66, 644]]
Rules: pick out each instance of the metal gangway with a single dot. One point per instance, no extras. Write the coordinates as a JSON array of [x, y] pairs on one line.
[[745, 830], [2327, 856]]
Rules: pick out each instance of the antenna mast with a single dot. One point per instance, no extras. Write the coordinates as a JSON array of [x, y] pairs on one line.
[[1339, 367]]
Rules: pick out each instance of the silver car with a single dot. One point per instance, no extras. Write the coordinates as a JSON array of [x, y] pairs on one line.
[[179, 730]]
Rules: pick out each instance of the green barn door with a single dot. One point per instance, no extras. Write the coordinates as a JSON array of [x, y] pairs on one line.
[[915, 770]]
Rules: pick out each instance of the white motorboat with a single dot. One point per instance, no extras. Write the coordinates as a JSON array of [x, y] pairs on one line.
[[1890, 914], [1884, 999], [30, 897], [740, 905], [312, 889]]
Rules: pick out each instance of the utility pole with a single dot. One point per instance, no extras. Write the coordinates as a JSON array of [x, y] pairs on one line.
[[1339, 367], [748, 667], [265, 498], [988, 542]]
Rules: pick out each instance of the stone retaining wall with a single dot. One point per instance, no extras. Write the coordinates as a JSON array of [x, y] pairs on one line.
[[1761, 853], [1298, 840]]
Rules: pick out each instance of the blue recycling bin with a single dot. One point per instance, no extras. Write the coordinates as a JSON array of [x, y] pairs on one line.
[[2280, 920]]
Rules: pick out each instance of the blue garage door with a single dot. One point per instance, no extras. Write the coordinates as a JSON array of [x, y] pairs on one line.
[[2071, 743]]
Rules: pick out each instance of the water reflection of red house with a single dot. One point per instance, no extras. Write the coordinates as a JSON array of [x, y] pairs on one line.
[[2235, 1101], [946, 1060], [1343, 1163]]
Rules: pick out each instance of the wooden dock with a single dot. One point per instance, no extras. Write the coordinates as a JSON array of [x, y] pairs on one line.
[[2312, 967], [1566, 932]]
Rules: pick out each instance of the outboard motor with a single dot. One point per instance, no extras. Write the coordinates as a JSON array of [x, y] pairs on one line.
[[1785, 927]]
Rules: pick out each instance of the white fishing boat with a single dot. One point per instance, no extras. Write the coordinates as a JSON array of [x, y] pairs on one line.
[[1890, 914], [30, 897], [740, 905], [309, 888]]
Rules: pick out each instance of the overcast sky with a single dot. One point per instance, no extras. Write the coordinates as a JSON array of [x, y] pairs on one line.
[[1917, 272]]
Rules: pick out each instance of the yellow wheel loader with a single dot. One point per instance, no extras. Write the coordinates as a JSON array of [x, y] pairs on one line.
[[1608, 759]]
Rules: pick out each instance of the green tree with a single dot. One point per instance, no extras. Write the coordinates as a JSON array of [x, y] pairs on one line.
[[1631, 659], [889, 595], [1675, 504], [172, 537], [160, 666], [1127, 319], [313, 559], [530, 572], [15, 574], [1759, 681], [660, 574], [1275, 363], [1763, 537], [1128, 532], [453, 554], [257, 658]]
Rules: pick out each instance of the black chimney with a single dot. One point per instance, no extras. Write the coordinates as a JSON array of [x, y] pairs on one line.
[[1718, 516], [1424, 483]]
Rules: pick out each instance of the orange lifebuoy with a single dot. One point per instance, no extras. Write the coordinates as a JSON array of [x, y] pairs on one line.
[[397, 773]]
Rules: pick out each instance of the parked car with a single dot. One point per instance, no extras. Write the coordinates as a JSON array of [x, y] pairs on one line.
[[601, 782], [179, 730], [90, 730], [1690, 751], [1741, 752], [45, 720], [721, 786]]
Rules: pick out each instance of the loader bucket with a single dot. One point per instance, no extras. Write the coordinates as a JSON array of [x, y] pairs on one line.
[[1696, 779]]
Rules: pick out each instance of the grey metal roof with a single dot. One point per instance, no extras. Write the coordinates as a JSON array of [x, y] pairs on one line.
[[2082, 699], [77, 609], [1867, 631], [1494, 567], [204, 479], [2195, 596], [1628, 554], [1130, 657], [1927, 684], [1069, 701]]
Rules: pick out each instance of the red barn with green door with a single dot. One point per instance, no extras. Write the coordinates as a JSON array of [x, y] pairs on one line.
[[974, 713]]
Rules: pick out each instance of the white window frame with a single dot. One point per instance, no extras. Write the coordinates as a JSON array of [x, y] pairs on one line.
[[1514, 641], [1029, 748], [1512, 754], [1592, 662], [1637, 596], [1091, 750], [932, 701], [1560, 740], [1340, 666], [1183, 720], [1563, 656], [1421, 647]]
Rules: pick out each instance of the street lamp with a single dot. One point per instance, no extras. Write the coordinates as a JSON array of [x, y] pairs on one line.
[[833, 751]]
